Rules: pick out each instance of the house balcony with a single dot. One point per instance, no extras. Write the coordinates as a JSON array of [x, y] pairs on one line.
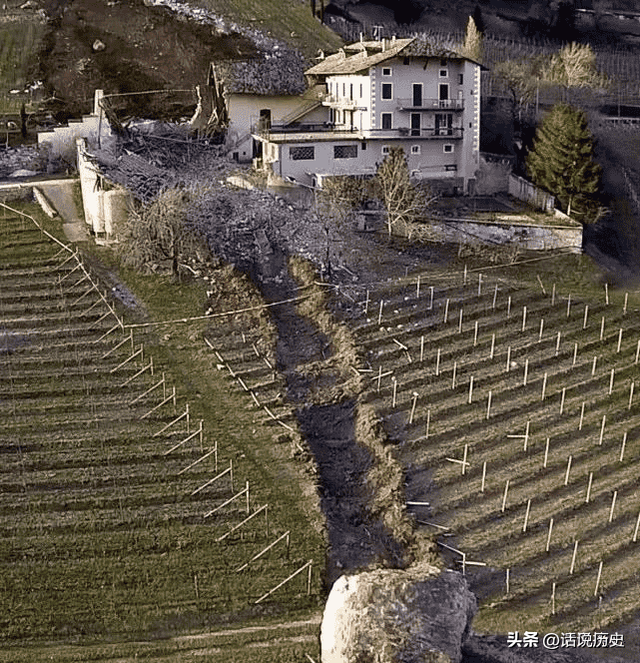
[[286, 133], [342, 103], [430, 104]]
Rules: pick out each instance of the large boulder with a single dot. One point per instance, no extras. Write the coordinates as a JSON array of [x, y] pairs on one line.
[[397, 616]]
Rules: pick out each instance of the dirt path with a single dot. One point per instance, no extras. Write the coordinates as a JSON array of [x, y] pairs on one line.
[[60, 195]]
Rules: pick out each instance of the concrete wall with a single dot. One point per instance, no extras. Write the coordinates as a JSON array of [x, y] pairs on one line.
[[105, 205], [524, 190]]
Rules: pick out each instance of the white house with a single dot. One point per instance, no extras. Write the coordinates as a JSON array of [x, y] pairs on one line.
[[377, 95]]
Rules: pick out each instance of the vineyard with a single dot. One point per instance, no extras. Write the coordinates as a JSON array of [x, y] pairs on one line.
[[122, 511], [513, 407]]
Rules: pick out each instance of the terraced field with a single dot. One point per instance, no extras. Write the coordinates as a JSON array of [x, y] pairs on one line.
[[515, 409], [120, 513]]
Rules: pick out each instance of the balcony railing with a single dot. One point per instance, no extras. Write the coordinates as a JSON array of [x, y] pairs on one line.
[[431, 104], [340, 102], [265, 128]]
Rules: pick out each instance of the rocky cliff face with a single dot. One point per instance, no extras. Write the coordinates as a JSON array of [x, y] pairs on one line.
[[397, 616]]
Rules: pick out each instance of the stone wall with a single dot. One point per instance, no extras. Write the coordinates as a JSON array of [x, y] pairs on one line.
[[505, 232], [493, 174], [524, 190]]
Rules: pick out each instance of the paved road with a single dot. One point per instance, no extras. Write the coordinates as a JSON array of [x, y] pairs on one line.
[[60, 195]]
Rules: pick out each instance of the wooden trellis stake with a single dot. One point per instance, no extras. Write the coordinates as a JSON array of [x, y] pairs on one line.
[[553, 598], [464, 276], [164, 401], [438, 362], [541, 330], [606, 293], [509, 307], [637, 352], [479, 284], [575, 354], [379, 378], [418, 288], [196, 462], [622, 448], [148, 367], [462, 462], [184, 415], [413, 407], [631, 394], [431, 298], [581, 416], [495, 297], [504, 496], [626, 301], [228, 471], [395, 390], [566, 476], [508, 358], [546, 454], [366, 304], [549, 535], [613, 505], [595, 591], [484, 476], [421, 348], [453, 378], [244, 491], [526, 516], [526, 372], [604, 421], [186, 439], [558, 343], [446, 311], [475, 334], [586, 316], [573, 557], [524, 317], [246, 520], [470, 389], [380, 312], [569, 305], [464, 459], [489, 404], [619, 341], [493, 345], [148, 391], [613, 373], [564, 392], [589, 484], [635, 531], [593, 368], [427, 424], [507, 581], [286, 580], [553, 295], [602, 328], [460, 323], [266, 550]]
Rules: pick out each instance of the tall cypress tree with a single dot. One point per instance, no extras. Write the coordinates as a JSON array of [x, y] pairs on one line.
[[561, 162]]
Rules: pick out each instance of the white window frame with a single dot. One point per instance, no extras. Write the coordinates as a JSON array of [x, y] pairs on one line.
[[382, 115], [385, 150], [415, 149], [448, 148], [382, 87], [443, 73], [387, 71]]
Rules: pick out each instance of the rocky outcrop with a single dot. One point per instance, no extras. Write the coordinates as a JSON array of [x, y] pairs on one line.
[[397, 616]]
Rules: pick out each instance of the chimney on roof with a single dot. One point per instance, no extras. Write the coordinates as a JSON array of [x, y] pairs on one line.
[[393, 39], [361, 37], [383, 44]]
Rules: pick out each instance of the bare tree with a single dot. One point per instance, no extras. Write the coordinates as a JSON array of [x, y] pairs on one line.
[[403, 201], [158, 232]]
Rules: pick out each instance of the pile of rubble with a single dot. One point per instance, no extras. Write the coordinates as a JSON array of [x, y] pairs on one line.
[[22, 161]]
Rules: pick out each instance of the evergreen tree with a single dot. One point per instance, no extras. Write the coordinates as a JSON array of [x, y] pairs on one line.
[[561, 162]]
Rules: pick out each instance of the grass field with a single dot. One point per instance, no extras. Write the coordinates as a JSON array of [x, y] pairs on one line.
[[106, 493], [293, 24]]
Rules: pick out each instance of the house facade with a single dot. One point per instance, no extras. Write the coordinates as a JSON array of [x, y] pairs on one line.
[[377, 95]]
